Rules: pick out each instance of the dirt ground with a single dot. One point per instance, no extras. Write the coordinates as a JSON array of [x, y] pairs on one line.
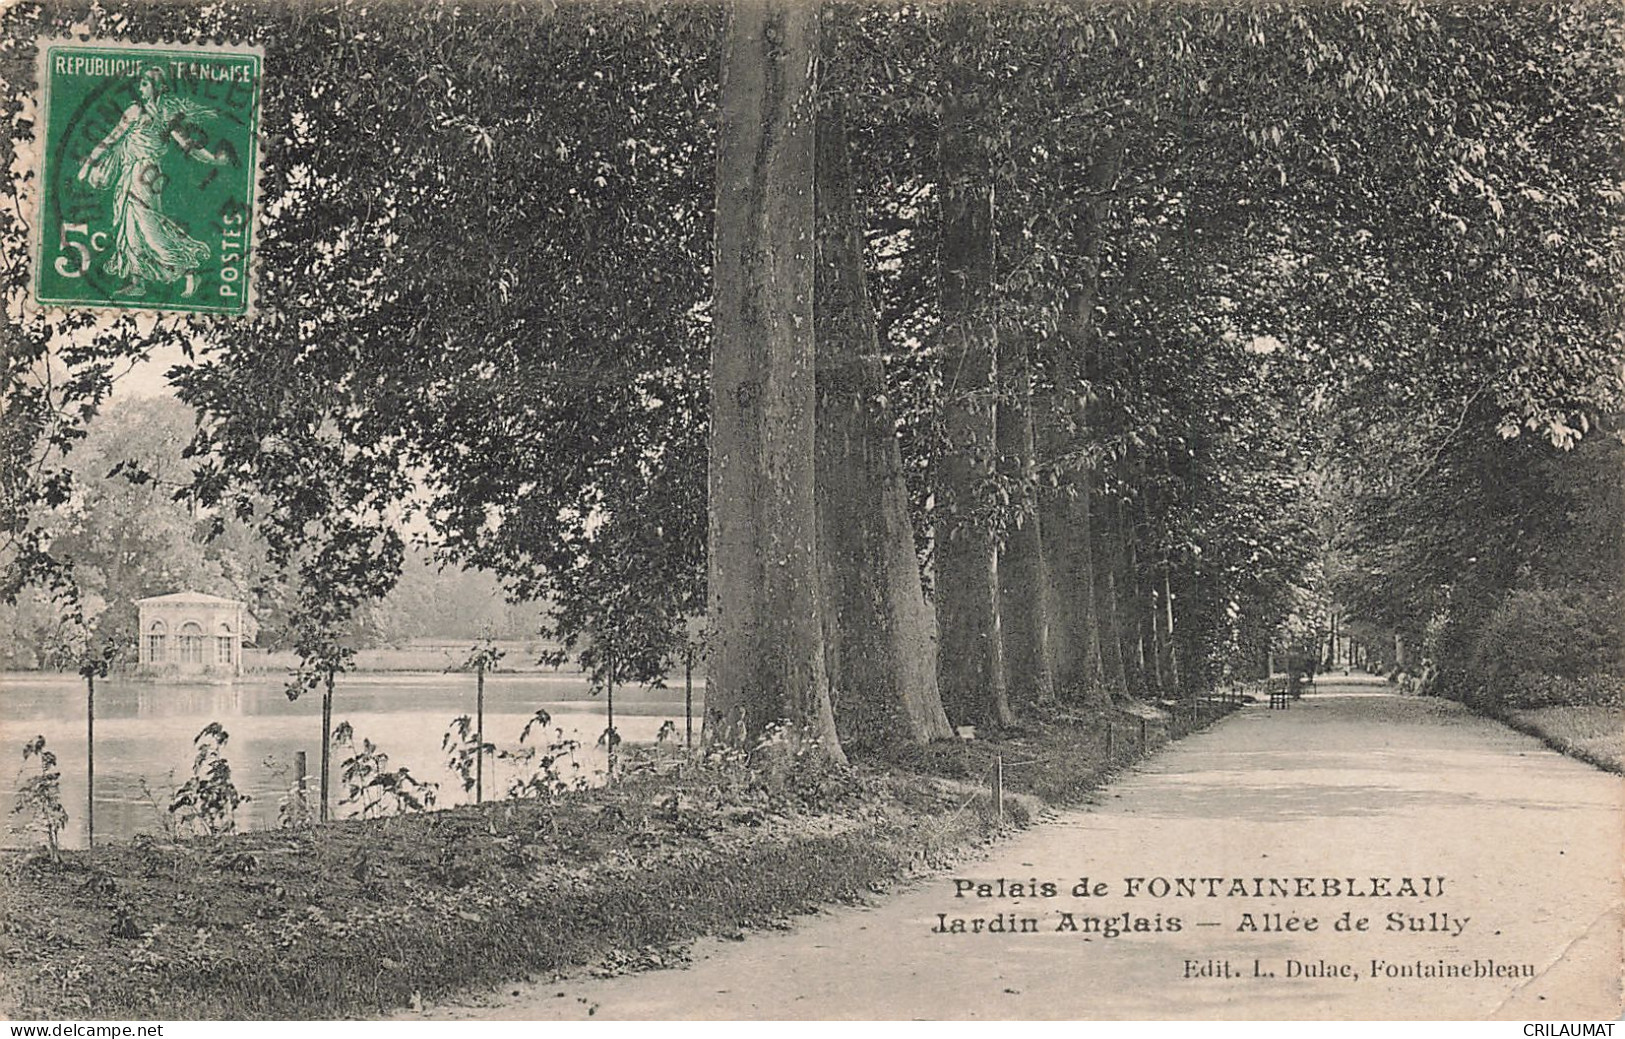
[[1350, 784]]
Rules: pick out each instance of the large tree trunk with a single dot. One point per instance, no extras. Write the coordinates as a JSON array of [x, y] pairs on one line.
[[1148, 576], [768, 661], [1138, 609], [879, 635], [1024, 580], [1198, 626], [1090, 685], [1154, 501], [1055, 527], [1161, 660], [1114, 659], [971, 653], [1169, 635], [1079, 598], [1068, 529]]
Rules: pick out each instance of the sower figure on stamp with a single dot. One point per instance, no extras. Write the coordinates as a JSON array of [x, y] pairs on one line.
[[149, 246]]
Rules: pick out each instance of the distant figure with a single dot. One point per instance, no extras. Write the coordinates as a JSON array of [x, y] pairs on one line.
[[1297, 669], [1426, 684]]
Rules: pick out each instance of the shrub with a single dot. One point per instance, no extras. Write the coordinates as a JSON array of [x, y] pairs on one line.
[[785, 771], [550, 770], [1530, 691], [1549, 645], [207, 803], [40, 796], [463, 750], [293, 808], [372, 786]]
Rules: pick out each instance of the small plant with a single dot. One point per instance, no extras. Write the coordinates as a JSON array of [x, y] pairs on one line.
[[469, 760], [794, 773], [40, 797], [124, 922], [157, 806], [207, 803], [553, 769], [667, 753], [463, 749], [293, 809], [371, 786], [482, 657], [541, 719]]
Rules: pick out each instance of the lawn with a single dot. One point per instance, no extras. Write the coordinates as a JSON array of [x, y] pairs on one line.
[[1592, 734], [358, 918]]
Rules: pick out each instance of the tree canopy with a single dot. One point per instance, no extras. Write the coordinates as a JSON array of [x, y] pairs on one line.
[[1167, 297]]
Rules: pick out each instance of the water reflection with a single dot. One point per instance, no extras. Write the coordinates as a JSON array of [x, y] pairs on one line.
[[144, 733]]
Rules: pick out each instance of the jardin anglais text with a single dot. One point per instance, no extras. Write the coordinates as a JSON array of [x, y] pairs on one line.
[[1260, 918]]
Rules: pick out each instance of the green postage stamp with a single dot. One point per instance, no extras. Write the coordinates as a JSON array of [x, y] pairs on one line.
[[149, 160]]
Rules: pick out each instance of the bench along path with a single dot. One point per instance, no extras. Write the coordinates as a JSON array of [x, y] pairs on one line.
[[1351, 782]]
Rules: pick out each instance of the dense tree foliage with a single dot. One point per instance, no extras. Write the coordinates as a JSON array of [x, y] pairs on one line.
[[127, 535], [1165, 296]]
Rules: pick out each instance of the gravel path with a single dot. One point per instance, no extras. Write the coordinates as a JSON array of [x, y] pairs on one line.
[[1352, 782]]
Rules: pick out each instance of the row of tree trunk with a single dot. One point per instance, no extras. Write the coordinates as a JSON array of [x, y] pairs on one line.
[[816, 605]]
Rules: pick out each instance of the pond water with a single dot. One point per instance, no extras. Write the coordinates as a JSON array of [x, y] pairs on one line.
[[144, 733]]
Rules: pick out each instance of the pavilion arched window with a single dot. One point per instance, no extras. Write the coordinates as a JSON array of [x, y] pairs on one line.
[[155, 639]]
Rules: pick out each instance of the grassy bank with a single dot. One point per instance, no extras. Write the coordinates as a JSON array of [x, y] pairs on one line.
[[356, 918], [1595, 735]]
